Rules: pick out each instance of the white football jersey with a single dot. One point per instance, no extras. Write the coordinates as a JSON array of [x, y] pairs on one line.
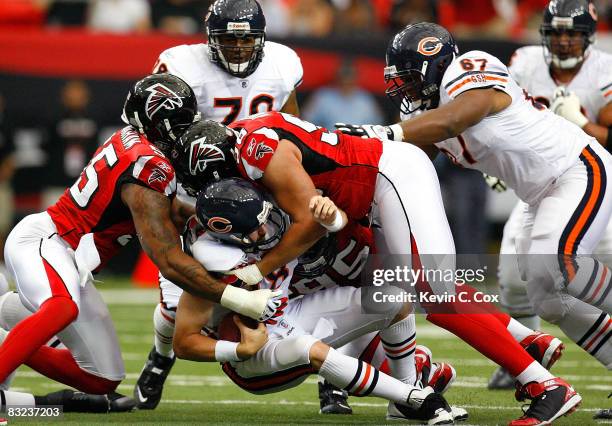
[[592, 84], [525, 144], [225, 98]]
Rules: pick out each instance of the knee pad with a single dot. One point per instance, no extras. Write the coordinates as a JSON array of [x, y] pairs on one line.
[[294, 351]]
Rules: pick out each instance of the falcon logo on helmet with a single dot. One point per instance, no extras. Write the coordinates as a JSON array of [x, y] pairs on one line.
[[202, 153], [219, 224], [429, 46], [161, 97]]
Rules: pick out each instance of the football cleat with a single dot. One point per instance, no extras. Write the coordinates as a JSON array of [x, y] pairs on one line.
[[120, 403], [76, 402], [438, 375], [544, 348], [605, 414], [551, 399], [333, 400], [150, 384], [422, 405], [501, 379]]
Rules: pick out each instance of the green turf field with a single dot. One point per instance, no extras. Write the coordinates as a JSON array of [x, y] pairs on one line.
[[200, 393]]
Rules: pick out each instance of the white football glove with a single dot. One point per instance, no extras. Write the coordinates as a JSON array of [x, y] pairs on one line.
[[567, 105], [495, 183], [261, 305], [250, 274], [384, 133]]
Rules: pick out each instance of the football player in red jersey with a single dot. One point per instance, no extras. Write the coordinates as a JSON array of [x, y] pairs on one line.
[[291, 157], [126, 189]]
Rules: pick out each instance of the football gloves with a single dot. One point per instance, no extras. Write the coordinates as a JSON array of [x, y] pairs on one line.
[[495, 183], [385, 133], [567, 105], [261, 305]]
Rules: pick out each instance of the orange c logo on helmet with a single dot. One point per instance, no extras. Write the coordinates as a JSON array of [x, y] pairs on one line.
[[219, 224], [429, 46]]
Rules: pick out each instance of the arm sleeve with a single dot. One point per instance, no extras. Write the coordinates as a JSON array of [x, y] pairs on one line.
[[152, 172], [475, 70], [256, 151], [605, 80]]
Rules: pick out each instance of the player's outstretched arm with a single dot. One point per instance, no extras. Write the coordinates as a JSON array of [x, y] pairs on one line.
[[292, 189], [451, 119], [181, 212], [160, 240]]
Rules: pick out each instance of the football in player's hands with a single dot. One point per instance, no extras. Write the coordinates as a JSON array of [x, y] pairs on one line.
[[228, 330]]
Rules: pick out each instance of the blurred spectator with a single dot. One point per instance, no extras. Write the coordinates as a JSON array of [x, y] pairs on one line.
[[277, 17], [7, 169], [72, 139], [313, 18], [119, 16], [406, 12], [179, 16], [64, 13], [342, 102], [475, 18], [23, 12], [357, 19]]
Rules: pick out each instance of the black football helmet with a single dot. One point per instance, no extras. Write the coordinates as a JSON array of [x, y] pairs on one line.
[[244, 21], [571, 17], [162, 107], [417, 58], [317, 258], [233, 209], [204, 152]]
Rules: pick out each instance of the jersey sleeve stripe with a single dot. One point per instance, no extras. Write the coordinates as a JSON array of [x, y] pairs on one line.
[[603, 89], [299, 82], [469, 80], [502, 74], [608, 93], [139, 165]]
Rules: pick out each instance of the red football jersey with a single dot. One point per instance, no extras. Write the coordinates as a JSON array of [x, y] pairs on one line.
[[354, 243], [344, 167], [93, 204]]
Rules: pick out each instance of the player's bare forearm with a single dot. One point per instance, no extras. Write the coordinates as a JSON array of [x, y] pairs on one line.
[[291, 105], [188, 342], [292, 189], [453, 118], [181, 212], [598, 132], [298, 238], [160, 240]]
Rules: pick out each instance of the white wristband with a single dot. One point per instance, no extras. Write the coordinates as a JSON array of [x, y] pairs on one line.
[[226, 351], [397, 131], [337, 225]]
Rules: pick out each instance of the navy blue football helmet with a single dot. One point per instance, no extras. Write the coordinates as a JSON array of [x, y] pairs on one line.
[[162, 107], [417, 58], [232, 210], [571, 17], [205, 152], [236, 32]]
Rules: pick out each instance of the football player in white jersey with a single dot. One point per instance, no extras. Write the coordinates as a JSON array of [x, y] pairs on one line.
[[475, 113], [574, 79], [236, 226], [236, 74]]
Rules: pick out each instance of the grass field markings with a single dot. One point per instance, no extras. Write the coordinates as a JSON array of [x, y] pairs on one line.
[[312, 403]]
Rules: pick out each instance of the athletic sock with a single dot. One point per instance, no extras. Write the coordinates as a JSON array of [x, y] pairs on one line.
[[33, 332], [361, 379], [534, 373], [164, 331], [591, 329], [399, 342], [59, 365], [518, 330], [11, 399]]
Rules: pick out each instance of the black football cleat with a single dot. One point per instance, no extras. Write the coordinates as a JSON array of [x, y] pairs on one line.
[[120, 403], [333, 400], [501, 380], [150, 384], [75, 402], [423, 405], [605, 414], [550, 400]]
